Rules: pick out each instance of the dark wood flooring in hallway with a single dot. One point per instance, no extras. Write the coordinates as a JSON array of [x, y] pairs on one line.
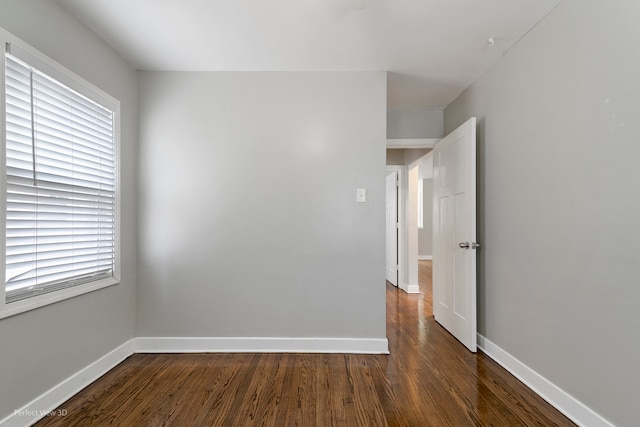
[[429, 379]]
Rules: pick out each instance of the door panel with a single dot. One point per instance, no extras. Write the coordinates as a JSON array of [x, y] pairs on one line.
[[444, 257], [454, 219], [459, 290]]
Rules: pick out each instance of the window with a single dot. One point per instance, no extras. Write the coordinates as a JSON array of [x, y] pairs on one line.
[[61, 193]]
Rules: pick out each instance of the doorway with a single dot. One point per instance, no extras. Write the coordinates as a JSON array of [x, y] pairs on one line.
[[410, 165], [454, 231]]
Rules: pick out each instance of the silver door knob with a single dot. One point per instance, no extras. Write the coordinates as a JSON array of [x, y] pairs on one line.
[[475, 245], [464, 245]]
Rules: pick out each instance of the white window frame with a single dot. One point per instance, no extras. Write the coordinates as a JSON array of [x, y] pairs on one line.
[[67, 77]]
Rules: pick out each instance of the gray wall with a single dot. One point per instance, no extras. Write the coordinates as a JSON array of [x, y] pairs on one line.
[[42, 347], [395, 157], [413, 154], [414, 124], [249, 225], [425, 234], [404, 156], [559, 205]]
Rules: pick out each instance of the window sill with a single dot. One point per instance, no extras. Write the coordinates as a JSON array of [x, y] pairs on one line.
[[11, 309]]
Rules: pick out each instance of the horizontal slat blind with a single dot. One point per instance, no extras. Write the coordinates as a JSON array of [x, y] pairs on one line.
[[61, 183]]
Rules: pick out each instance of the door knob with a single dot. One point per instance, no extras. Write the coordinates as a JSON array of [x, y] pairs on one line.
[[464, 245]]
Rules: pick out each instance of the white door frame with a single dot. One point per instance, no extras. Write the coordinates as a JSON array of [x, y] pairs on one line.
[[391, 227], [401, 174], [410, 284], [407, 253]]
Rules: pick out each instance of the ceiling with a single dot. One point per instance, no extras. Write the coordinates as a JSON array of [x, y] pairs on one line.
[[433, 49]]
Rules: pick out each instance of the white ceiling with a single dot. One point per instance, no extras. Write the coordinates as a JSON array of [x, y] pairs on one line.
[[433, 49]]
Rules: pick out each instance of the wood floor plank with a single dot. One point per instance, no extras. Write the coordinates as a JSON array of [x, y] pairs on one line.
[[429, 379], [301, 398], [226, 409], [368, 412], [274, 401]]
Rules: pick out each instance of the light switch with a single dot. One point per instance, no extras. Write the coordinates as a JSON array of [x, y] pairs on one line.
[[361, 195]]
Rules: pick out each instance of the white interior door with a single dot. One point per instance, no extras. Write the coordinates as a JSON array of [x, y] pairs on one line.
[[391, 228], [454, 233]]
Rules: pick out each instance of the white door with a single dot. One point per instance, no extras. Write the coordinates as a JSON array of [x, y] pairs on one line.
[[454, 233], [392, 229]]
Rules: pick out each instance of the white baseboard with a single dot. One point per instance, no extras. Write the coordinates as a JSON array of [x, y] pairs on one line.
[[572, 408], [260, 345], [410, 289], [425, 257], [43, 405], [53, 398], [413, 289]]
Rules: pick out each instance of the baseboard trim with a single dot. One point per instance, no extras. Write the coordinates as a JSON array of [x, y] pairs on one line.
[[413, 289], [572, 408], [410, 289], [425, 257], [260, 345], [44, 404]]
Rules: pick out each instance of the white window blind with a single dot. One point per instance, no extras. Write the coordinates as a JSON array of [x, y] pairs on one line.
[[61, 184]]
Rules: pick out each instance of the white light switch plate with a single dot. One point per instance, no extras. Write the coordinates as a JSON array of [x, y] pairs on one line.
[[361, 195]]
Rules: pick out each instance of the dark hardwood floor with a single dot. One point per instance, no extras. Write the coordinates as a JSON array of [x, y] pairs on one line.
[[429, 379]]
